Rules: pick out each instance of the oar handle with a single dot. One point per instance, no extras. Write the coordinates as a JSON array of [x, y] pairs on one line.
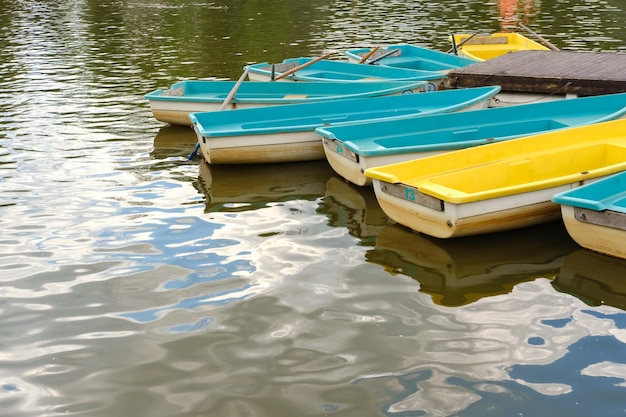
[[228, 99], [455, 47], [381, 56], [369, 54], [306, 64], [233, 91], [541, 38]]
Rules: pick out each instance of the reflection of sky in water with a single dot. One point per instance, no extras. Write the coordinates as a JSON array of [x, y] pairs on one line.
[[211, 254], [480, 360], [183, 242], [511, 354], [285, 304]]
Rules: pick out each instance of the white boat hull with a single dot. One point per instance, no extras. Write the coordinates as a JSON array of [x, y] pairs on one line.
[[438, 218], [262, 149], [177, 113], [599, 234]]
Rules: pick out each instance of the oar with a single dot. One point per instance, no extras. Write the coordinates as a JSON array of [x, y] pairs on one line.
[[306, 64], [228, 99], [541, 38], [381, 56], [455, 47], [369, 54]]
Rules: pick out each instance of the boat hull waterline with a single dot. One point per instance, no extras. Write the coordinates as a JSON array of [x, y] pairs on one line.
[[174, 104], [595, 215]]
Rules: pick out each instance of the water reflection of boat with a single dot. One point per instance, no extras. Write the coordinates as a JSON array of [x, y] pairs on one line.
[[175, 136], [460, 271], [173, 141], [249, 187], [594, 278], [353, 207]]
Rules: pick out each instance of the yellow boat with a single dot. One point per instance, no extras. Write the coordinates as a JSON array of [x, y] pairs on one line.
[[483, 47], [500, 186]]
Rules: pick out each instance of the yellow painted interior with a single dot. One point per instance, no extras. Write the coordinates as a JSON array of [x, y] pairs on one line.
[[519, 165]]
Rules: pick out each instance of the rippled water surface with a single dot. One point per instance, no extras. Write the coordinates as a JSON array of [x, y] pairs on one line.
[[135, 283]]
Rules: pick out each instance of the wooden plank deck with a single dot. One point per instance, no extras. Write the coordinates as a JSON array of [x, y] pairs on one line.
[[548, 72]]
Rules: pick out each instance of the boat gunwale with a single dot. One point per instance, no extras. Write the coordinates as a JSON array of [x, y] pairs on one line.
[[607, 202], [400, 85], [367, 147]]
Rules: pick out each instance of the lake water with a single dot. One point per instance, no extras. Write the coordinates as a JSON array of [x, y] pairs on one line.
[[135, 283]]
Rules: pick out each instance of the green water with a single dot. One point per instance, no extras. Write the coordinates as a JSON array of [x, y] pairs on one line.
[[135, 283]]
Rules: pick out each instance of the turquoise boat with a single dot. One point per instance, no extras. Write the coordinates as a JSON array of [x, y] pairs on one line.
[[174, 104], [409, 56], [500, 186], [352, 149], [595, 214], [268, 135], [313, 69]]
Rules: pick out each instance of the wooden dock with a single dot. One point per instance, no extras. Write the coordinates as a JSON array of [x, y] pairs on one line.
[[548, 72]]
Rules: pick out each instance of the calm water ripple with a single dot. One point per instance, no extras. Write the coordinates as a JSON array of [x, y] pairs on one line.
[[137, 283]]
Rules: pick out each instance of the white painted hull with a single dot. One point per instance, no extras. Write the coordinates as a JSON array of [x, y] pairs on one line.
[[262, 149], [351, 168], [479, 217], [177, 113], [599, 238]]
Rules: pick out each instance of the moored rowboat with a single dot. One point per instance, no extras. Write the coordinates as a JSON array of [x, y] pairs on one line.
[[351, 149], [341, 71], [500, 186], [483, 47], [409, 56], [287, 134], [173, 105], [595, 214]]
